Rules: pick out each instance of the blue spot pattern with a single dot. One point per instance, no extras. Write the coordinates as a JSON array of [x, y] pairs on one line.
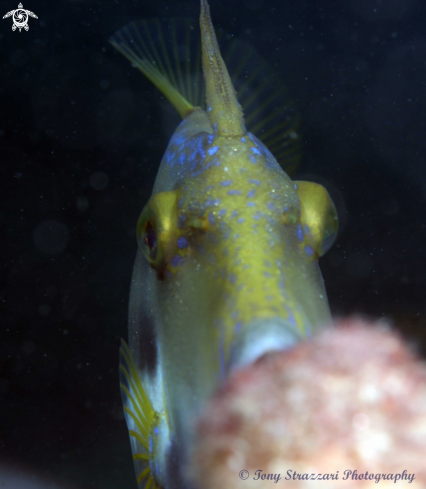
[[176, 261], [186, 152], [182, 242], [211, 202], [308, 250], [271, 162]]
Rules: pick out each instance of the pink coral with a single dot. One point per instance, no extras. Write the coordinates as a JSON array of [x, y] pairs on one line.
[[351, 399]]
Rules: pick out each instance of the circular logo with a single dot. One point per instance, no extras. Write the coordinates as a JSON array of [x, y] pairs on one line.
[[20, 18], [244, 474]]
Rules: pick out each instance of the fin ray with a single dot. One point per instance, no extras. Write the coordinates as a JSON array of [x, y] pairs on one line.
[[137, 42], [269, 111], [140, 417]]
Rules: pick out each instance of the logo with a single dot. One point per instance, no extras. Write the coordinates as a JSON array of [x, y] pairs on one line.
[[20, 17]]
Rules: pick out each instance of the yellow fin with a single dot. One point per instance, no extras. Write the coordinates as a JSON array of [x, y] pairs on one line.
[[140, 417], [169, 50], [144, 45]]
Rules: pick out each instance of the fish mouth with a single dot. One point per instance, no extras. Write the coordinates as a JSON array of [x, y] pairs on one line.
[[259, 337]]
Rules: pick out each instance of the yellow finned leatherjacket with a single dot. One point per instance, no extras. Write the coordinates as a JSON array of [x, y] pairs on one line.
[[227, 267]]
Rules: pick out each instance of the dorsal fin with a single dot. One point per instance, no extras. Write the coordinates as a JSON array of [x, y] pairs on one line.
[[168, 52], [223, 109]]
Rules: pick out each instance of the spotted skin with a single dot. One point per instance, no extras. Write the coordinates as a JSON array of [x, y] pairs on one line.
[[249, 261]]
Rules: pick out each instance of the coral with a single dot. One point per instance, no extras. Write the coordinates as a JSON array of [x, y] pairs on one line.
[[351, 399]]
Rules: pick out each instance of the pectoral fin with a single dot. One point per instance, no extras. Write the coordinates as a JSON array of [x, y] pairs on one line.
[[148, 429], [142, 43]]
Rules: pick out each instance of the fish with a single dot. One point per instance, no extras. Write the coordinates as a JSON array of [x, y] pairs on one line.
[[227, 263]]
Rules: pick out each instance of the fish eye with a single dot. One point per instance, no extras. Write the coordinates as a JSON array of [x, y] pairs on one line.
[[318, 216], [150, 239], [157, 229]]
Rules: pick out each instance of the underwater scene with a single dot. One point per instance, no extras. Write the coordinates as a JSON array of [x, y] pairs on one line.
[[302, 143]]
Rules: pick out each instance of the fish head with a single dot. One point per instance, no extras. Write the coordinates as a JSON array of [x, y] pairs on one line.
[[232, 247]]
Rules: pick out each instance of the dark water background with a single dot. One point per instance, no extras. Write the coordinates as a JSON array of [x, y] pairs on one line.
[[81, 138]]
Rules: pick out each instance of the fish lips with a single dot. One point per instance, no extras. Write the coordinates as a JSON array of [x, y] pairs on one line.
[[259, 337]]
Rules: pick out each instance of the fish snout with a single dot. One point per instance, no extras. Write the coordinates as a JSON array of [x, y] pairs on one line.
[[261, 336]]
